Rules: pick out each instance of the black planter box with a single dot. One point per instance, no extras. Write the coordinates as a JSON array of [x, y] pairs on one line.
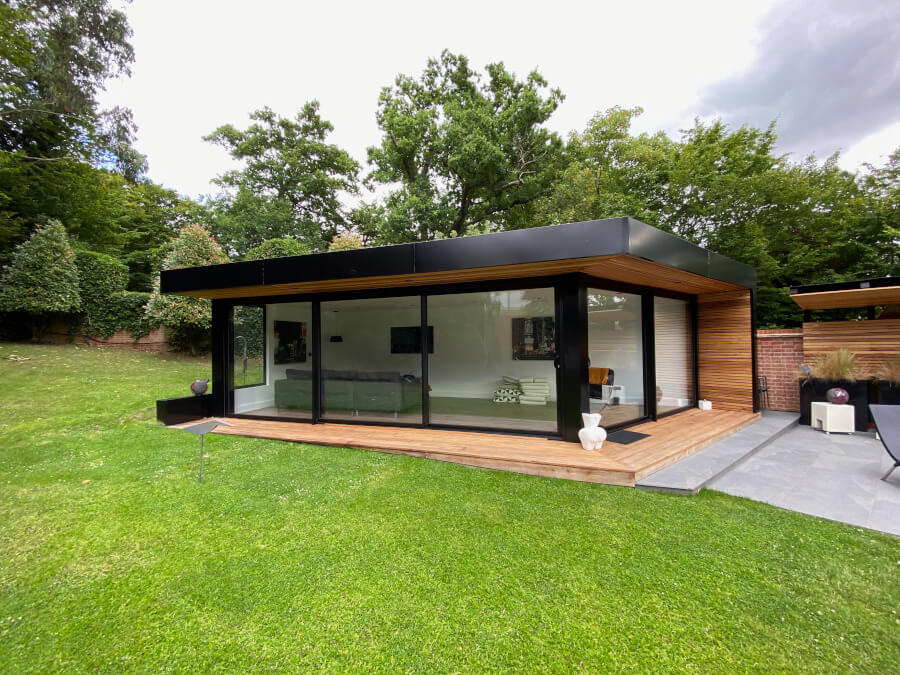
[[813, 391], [180, 410], [888, 393]]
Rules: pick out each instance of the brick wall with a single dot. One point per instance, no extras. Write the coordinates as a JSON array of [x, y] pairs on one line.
[[779, 355]]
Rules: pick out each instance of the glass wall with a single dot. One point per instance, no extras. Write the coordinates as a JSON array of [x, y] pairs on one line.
[[285, 390], [492, 363], [248, 347], [674, 354], [372, 360], [616, 353]]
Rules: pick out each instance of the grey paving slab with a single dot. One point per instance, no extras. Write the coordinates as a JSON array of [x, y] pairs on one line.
[[830, 476], [689, 475]]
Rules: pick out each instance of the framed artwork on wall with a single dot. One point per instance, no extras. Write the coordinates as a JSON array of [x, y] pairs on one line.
[[534, 339], [290, 342]]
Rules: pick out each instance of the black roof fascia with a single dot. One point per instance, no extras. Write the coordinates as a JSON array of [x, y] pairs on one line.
[[880, 282], [613, 236]]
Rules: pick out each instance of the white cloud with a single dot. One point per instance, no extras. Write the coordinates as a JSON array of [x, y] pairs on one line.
[[200, 64]]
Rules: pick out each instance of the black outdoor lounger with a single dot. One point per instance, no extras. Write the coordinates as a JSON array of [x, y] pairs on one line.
[[887, 422]]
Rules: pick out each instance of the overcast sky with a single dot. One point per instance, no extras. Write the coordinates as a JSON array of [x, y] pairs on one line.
[[828, 70]]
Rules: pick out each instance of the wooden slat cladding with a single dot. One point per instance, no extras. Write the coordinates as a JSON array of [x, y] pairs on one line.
[[851, 297], [874, 342], [622, 268], [669, 440], [631, 270], [725, 346]]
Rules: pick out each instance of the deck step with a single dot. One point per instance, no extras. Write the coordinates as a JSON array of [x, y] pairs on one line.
[[691, 474]]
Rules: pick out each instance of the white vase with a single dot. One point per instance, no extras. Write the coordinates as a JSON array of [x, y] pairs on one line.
[[592, 435]]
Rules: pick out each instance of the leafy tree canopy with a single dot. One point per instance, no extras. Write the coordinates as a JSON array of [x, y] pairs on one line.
[[727, 190], [291, 183], [462, 150]]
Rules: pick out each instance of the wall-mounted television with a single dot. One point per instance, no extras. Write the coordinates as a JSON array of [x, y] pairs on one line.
[[408, 339]]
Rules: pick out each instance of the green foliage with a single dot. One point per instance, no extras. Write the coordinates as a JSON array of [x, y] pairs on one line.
[[43, 277], [277, 248], [106, 307], [280, 554], [291, 182], [464, 152], [152, 216], [187, 319], [346, 241], [728, 191], [56, 62]]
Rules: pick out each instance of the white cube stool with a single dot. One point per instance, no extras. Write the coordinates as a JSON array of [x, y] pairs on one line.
[[833, 418]]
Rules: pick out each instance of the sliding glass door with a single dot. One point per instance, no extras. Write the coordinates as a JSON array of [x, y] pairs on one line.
[[492, 362], [372, 360], [674, 350], [616, 354]]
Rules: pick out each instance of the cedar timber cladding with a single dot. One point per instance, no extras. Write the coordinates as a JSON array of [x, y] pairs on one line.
[[725, 346], [874, 342]]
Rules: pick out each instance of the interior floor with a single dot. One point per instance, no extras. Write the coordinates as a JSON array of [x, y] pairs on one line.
[[467, 412]]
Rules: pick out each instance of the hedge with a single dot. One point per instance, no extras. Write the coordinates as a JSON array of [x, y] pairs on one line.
[[106, 307]]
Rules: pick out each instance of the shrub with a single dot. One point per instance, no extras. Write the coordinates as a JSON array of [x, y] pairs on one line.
[[837, 365], [42, 279], [889, 372], [277, 248], [187, 319]]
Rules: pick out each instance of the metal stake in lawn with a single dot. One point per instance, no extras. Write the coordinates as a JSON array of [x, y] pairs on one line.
[[201, 430]]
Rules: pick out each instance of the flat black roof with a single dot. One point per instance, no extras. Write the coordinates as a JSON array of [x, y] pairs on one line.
[[879, 282], [613, 236]]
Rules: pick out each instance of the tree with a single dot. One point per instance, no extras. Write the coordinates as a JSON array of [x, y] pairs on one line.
[[462, 152], [58, 150], [187, 319], [151, 216], [346, 241], [277, 248], [42, 279], [291, 182]]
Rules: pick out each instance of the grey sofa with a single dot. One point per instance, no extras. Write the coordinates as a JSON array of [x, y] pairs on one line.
[[365, 391]]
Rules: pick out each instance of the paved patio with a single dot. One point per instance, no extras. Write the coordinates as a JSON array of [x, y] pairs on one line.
[[833, 476]]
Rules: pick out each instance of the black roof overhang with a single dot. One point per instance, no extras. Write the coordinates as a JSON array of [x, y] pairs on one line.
[[613, 236], [880, 282]]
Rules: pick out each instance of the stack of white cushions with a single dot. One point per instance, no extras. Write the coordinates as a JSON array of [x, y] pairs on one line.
[[535, 390]]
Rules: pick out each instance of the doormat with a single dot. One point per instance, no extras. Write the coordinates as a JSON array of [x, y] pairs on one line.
[[625, 437]]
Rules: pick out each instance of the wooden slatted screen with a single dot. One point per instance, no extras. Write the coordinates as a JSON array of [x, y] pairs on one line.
[[725, 346], [874, 342]]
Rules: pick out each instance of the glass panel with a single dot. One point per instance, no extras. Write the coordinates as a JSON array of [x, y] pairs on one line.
[[492, 361], [288, 390], [615, 343], [248, 347], [674, 354], [372, 360]]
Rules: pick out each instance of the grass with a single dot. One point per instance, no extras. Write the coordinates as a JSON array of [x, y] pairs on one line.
[[113, 557]]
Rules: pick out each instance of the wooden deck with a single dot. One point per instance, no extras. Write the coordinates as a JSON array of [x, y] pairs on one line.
[[671, 438]]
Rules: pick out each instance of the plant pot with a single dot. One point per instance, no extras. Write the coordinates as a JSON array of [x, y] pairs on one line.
[[813, 390], [889, 393]]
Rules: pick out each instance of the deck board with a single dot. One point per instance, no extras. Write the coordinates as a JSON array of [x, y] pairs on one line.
[[669, 440]]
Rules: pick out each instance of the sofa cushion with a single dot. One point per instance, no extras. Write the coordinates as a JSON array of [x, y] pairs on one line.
[[297, 374]]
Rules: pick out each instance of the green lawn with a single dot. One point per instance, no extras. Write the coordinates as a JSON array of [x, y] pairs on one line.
[[290, 556]]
